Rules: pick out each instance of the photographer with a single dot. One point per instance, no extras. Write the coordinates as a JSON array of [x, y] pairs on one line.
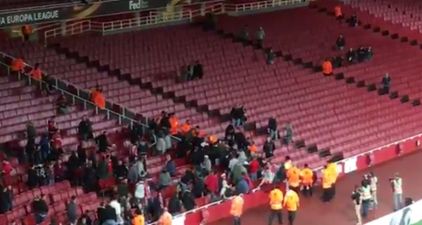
[[396, 184]]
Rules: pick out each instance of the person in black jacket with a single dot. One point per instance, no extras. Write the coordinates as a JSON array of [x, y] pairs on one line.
[[121, 171], [188, 200], [269, 148], [198, 70], [102, 142], [40, 209], [85, 129], [174, 206], [238, 116], [5, 199], [105, 213], [272, 128], [340, 42]]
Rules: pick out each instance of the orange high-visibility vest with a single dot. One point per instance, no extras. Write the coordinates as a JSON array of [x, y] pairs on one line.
[[307, 176], [165, 219], [276, 199], [337, 11], [291, 201], [253, 148], [36, 74], [17, 65], [174, 124], [237, 206], [293, 176], [138, 220], [98, 99], [326, 179], [185, 128], [332, 171], [212, 139], [327, 67]]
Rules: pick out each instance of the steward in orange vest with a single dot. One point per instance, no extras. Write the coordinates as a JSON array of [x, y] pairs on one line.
[[26, 32], [166, 218], [291, 204], [338, 12], [332, 171], [293, 178], [98, 98], [307, 176], [276, 204], [236, 209], [327, 67], [17, 65], [36, 72], [326, 185]]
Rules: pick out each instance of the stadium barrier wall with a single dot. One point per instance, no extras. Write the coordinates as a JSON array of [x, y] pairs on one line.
[[410, 215], [220, 210]]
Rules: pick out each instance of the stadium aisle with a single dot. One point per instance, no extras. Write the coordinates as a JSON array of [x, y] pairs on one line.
[[340, 210]]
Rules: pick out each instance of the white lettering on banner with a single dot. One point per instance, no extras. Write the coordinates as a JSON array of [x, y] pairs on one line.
[[29, 17], [350, 165], [139, 4], [409, 215], [179, 220]]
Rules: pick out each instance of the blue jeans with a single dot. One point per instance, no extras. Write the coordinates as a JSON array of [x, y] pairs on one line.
[[253, 176], [397, 201], [365, 208]]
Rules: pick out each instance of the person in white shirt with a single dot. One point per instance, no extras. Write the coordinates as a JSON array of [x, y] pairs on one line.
[[366, 199], [396, 184], [118, 208], [140, 191], [374, 184], [224, 186]]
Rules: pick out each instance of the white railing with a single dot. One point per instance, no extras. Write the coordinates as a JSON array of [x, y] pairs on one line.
[[159, 18], [244, 7]]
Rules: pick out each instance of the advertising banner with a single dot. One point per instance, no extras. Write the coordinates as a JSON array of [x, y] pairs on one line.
[[72, 12], [410, 215]]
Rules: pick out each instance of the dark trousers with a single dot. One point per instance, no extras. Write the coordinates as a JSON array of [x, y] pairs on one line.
[[326, 194], [296, 189], [260, 43], [273, 214], [291, 215], [236, 220], [333, 190], [307, 190]]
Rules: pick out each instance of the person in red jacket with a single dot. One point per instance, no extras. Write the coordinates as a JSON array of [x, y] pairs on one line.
[[211, 182]]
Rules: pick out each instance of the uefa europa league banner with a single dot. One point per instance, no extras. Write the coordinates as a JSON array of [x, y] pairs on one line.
[[75, 11]]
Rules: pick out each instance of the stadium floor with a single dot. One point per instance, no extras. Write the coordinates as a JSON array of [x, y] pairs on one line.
[[340, 210]]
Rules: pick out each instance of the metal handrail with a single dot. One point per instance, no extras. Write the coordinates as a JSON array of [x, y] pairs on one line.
[[77, 97]]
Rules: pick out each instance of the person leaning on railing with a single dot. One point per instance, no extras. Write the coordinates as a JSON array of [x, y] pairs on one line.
[[17, 65], [97, 97]]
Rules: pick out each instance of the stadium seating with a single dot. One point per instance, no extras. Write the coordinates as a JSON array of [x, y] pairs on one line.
[[318, 107], [406, 13], [56, 196], [17, 108]]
